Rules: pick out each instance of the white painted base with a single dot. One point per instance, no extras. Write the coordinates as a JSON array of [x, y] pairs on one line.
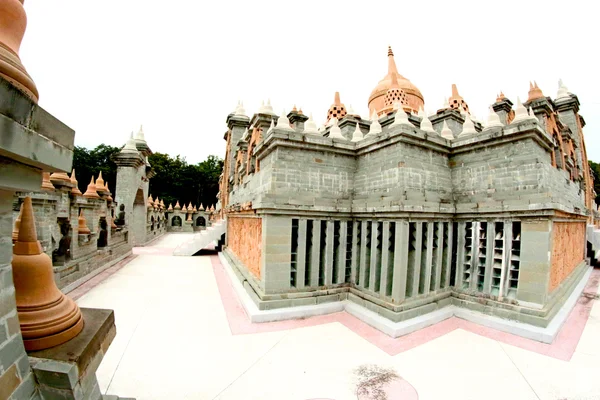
[[397, 329]]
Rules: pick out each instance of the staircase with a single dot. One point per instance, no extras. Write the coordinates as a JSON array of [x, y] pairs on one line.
[[201, 239]]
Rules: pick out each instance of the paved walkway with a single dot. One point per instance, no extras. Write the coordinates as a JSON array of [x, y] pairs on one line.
[[181, 334]]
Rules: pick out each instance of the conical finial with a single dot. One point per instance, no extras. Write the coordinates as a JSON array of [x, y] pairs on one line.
[[336, 99], [454, 91], [468, 127], [390, 52], [447, 132], [426, 124], [201, 207], [335, 132], [375, 127], [563, 92], [46, 184], [184, 209], [401, 118], [357, 136], [177, 206], [392, 70], [493, 121], [239, 110], [75, 191], [520, 112], [140, 137], [310, 127], [91, 193], [130, 145], [27, 242], [532, 115], [534, 91], [100, 182], [283, 123]]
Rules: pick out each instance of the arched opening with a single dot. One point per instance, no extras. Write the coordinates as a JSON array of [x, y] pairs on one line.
[[152, 223], [176, 221], [200, 221]]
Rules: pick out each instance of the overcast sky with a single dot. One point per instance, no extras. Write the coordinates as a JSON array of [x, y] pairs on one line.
[[179, 67]]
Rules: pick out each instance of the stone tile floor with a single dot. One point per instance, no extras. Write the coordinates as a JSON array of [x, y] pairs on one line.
[[182, 335]]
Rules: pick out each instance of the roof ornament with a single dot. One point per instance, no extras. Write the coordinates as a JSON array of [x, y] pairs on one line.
[[520, 112], [401, 118], [468, 127], [375, 127], [447, 132], [139, 136], [563, 92], [426, 124], [283, 123], [357, 136], [130, 145], [239, 110], [493, 121], [310, 127], [335, 132], [532, 115]]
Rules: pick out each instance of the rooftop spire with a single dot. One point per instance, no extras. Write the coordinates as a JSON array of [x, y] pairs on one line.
[[357, 136], [446, 132], [392, 70]]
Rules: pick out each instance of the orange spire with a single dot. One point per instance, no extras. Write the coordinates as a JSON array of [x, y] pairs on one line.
[[91, 190], [500, 97], [534, 91], [46, 184], [82, 228], [336, 99], [27, 243], [75, 190], [392, 70]]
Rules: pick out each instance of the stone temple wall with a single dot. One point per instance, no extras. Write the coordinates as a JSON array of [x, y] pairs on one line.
[[53, 208], [568, 244]]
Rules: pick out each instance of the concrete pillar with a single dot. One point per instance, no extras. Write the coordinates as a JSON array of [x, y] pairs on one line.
[[489, 259], [341, 257], [355, 252], [460, 255], [329, 248], [428, 258], [385, 258], [439, 226], [416, 268], [276, 254], [363, 255], [375, 262], [449, 245], [301, 256], [316, 253], [400, 262]]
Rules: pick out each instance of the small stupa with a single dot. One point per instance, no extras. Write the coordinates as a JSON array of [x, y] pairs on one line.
[[521, 113], [91, 193], [401, 118], [177, 206], [47, 317], [60, 177], [493, 120], [534, 91], [75, 191], [468, 127], [357, 136], [283, 123], [310, 127], [46, 184], [447, 132], [82, 227], [170, 209], [375, 127], [335, 132]]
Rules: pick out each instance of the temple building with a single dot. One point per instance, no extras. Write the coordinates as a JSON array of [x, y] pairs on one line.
[[408, 215]]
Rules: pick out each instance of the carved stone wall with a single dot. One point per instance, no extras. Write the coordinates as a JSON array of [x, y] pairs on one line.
[[244, 238], [568, 245]]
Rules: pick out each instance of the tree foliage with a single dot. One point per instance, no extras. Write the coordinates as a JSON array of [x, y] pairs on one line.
[[175, 179], [595, 167]]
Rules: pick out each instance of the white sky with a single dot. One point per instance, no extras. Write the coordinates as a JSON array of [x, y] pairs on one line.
[[179, 67]]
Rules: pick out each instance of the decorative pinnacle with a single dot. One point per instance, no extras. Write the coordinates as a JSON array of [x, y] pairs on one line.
[[447, 132], [335, 132], [357, 136]]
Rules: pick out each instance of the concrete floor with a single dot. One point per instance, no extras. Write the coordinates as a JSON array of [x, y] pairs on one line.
[[174, 341]]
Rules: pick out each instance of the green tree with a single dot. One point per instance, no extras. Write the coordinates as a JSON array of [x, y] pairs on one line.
[[90, 162], [595, 167]]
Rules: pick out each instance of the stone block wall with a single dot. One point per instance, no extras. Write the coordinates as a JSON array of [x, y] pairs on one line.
[[568, 246], [244, 238]]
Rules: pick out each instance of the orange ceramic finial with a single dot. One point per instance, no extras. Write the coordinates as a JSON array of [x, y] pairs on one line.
[[500, 97], [13, 22], [534, 91], [337, 109], [82, 228], [91, 193], [75, 190], [46, 184], [457, 102], [392, 69], [47, 317]]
